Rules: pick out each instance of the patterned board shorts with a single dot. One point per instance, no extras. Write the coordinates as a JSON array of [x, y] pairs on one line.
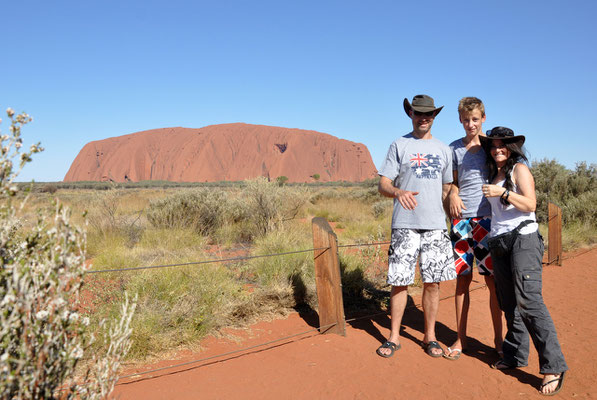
[[469, 238], [436, 262]]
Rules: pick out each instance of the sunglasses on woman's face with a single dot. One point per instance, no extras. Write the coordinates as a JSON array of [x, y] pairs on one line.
[[498, 146]]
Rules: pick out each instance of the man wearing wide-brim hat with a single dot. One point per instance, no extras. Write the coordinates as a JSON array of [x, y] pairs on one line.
[[417, 173]]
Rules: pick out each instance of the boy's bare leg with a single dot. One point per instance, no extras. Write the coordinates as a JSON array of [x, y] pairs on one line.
[[430, 308], [462, 303], [496, 314], [398, 297]]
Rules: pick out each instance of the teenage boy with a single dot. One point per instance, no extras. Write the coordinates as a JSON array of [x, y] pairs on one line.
[[417, 173], [470, 222]]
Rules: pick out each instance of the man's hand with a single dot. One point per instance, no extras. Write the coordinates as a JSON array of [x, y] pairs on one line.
[[407, 199], [456, 206]]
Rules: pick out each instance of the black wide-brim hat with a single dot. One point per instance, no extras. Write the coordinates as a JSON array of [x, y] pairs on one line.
[[421, 103], [502, 133]]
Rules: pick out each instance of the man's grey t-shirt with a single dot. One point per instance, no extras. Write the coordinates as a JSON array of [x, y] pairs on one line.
[[419, 165], [472, 173]]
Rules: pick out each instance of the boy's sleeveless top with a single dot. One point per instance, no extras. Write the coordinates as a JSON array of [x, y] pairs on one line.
[[506, 218], [472, 173]]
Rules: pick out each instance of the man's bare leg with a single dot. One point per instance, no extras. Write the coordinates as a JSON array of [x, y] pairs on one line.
[[398, 297], [430, 308]]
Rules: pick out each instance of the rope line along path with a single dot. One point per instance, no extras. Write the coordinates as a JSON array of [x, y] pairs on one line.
[[321, 328], [98, 271]]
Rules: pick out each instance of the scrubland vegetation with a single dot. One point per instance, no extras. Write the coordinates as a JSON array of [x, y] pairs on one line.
[[151, 226]]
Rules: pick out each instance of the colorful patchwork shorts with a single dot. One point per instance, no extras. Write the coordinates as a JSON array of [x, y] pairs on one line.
[[436, 262], [469, 238]]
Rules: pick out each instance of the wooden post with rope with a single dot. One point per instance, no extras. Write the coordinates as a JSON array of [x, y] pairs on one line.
[[327, 278], [554, 247]]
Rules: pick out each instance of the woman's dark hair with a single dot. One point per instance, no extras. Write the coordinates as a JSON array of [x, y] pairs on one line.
[[516, 155]]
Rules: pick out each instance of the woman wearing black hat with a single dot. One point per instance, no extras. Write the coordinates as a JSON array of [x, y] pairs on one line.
[[517, 252]]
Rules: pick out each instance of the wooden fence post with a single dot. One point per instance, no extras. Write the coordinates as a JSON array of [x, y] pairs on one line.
[[327, 277], [554, 231]]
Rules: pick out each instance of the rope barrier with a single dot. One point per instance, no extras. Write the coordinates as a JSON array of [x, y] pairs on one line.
[[363, 244], [201, 262], [324, 327], [99, 271]]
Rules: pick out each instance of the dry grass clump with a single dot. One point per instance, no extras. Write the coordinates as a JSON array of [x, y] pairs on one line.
[[198, 209], [179, 305]]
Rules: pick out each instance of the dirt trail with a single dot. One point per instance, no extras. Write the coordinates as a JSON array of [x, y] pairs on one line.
[[314, 366]]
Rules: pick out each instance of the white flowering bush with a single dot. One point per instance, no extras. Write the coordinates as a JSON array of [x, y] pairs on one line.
[[43, 336]]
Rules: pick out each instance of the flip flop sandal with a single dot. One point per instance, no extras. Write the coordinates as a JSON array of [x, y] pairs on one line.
[[388, 345], [448, 354], [559, 379], [433, 345]]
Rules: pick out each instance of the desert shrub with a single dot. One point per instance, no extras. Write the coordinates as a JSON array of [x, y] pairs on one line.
[[43, 335], [283, 267], [198, 209], [574, 191], [380, 207], [270, 205], [106, 217], [276, 284], [366, 194], [49, 188]]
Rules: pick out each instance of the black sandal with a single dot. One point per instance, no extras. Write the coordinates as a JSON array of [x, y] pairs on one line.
[[388, 345], [433, 345], [559, 379]]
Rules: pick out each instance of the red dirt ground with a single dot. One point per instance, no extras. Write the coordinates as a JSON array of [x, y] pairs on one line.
[[299, 363]]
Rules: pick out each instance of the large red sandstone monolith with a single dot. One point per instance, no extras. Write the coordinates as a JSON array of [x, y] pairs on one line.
[[227, 152]]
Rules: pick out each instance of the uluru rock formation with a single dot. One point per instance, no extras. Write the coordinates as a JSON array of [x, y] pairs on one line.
[[227, 152]]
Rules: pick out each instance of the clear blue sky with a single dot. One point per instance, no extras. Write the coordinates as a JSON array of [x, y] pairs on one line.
[[89, 70]]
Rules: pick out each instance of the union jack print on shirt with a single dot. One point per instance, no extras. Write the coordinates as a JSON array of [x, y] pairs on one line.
[[426, 166]]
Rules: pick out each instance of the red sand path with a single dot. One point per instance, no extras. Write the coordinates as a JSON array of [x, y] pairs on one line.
[[314, 366]]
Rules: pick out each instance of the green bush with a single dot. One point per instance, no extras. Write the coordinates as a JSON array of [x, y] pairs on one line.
[[575, 192]]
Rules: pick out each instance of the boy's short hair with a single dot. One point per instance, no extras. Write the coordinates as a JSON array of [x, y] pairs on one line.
[[468, 104]]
